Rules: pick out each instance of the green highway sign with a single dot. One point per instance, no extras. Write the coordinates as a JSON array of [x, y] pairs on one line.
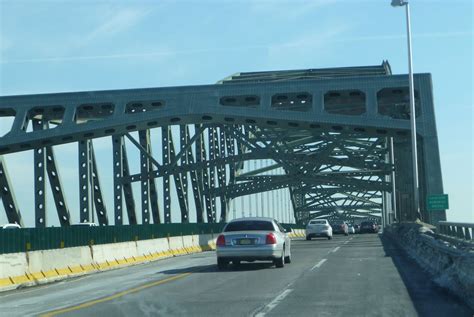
[[438, 202]]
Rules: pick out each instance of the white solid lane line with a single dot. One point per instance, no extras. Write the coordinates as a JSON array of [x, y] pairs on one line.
[[274, 303], [318, 265]]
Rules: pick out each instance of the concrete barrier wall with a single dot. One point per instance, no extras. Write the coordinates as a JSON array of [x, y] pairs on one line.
[[50, 263], [176, 245], [37, 267], [110, 255], [155, 246], [13, 268], [207, 241], [297, 233]]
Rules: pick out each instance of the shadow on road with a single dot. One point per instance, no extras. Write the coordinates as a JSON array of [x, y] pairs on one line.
[[428, 298], [212, 268]]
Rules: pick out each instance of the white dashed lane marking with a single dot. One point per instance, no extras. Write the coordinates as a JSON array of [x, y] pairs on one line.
[[318, 265], [274, 303]]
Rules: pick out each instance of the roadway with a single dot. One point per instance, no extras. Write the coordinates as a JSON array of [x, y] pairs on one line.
[[360, 275]]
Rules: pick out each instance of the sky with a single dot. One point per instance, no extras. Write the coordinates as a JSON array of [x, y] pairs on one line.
[[61, 46]]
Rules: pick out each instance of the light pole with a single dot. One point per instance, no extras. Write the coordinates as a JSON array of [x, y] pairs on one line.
[[416, 194]]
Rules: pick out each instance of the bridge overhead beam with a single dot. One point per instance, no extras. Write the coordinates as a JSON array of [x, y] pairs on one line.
[[189, 105], [325, 156], [355, 207]]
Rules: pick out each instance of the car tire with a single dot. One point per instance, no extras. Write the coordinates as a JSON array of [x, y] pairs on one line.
[[221, 264], [280, 262], [288, 259], [329, 237], [308, 238], [346, 234]]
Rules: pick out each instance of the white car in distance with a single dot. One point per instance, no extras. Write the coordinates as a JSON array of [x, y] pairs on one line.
[[318, 228], [10, 226], [351, 229]]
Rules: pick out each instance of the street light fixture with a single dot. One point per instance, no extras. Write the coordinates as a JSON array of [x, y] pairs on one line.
[[416, 193], [398, 3]]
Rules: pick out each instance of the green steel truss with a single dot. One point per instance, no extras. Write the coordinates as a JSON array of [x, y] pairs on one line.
[[337, 139]]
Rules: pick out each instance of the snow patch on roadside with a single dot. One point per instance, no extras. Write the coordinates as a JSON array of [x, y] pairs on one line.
[[452, 268]]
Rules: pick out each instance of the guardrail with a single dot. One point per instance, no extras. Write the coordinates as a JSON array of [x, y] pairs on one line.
[[460, 230]]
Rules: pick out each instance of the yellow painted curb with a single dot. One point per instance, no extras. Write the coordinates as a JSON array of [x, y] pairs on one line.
[[5, 282], [153, 256], [103, 265], [20, 279], [50, 273], [88, 267], [175, 252], [140, 258], [63, 271], [38, 275], [76, 269], [122, 261]]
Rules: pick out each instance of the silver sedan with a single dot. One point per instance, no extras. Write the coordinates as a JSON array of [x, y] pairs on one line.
[[253, 239]]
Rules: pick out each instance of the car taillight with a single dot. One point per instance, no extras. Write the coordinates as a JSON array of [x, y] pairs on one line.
[[220, 240], [271, 239]]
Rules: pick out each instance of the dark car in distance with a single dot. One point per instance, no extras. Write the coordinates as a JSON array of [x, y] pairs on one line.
[[369, 227], [340, 226]]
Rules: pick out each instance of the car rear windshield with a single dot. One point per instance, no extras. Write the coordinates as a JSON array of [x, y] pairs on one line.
[[317, 222], [249, 226]]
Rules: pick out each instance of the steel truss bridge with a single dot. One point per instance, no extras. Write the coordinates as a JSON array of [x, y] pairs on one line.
[[336, 140]]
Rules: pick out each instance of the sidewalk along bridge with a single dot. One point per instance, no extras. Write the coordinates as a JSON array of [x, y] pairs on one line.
[[334, 143]]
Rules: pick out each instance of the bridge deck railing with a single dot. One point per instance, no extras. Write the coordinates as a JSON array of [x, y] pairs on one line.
[[459, 230]]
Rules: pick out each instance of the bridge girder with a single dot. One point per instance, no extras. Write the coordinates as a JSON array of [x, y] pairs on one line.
[[327, 161]]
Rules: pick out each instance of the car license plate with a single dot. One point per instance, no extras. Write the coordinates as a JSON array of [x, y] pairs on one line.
[[245, 241]]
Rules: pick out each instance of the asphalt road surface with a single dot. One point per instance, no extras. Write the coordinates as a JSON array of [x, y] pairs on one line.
[[359, 275]]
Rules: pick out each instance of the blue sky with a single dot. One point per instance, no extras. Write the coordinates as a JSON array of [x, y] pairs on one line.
[[53, 46]]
